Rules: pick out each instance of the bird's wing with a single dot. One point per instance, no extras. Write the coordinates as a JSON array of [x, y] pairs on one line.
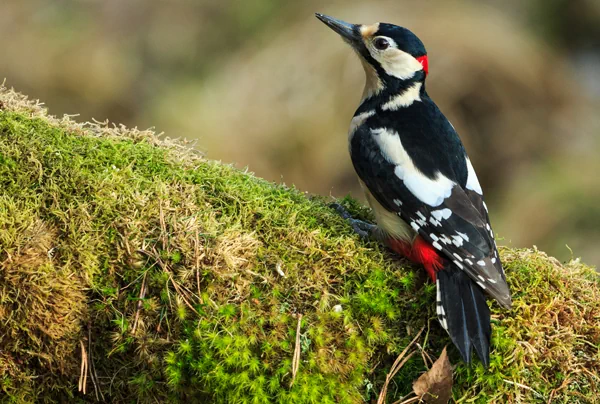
[[452, 218]]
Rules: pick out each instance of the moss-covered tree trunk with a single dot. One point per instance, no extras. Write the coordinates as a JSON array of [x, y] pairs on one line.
[[134, 269]]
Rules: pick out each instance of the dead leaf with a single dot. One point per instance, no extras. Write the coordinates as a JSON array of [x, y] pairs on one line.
[[435, 385]]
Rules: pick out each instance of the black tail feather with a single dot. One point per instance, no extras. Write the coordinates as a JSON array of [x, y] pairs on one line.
[[464, 313]]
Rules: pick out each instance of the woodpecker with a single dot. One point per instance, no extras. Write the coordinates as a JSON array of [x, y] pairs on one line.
[[420, 183]]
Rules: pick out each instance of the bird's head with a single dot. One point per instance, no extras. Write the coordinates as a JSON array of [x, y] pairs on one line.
[[390, 54]]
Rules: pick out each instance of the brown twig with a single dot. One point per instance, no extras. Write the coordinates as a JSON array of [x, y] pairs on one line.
[[398, 363], [296, 357]]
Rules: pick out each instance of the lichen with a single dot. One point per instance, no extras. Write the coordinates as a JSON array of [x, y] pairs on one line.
[[175, 278]]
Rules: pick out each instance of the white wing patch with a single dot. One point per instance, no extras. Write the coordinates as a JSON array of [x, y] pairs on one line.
[[472, 181], [429, 191]]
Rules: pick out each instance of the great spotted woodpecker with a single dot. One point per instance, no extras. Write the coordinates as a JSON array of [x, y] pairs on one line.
[[420, 183]]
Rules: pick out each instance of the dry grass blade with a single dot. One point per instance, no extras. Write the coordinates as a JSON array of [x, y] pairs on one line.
[[182, 294], [93, 373], [163, 226], [84, 367], [408, 401], [296, 358], [197, 256], [524, 387], [398, 363], [178, 289], [139, 305], [426, 358], [390, 376]]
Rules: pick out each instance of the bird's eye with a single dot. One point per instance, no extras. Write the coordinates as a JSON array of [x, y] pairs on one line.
[[381, 43]]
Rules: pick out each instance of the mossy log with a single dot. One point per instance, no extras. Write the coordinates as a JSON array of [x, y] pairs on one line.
[[138, 271]]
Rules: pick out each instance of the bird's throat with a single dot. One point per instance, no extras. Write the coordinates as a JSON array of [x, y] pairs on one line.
[[373, 84]]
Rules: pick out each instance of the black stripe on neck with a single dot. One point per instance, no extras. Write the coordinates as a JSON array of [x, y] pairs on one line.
[[392, 87]]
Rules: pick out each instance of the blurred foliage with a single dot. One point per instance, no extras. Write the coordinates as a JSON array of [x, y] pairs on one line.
[[261, 83]]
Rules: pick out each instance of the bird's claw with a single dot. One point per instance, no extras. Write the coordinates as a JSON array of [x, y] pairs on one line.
[[363, 229], [342, 211]]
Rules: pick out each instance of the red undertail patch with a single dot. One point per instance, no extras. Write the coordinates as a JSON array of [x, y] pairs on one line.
[[420, 252]]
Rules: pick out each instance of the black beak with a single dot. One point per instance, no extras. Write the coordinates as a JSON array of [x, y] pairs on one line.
[[350, 32]]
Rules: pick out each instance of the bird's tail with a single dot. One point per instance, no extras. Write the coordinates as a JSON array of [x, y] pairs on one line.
[[464, 313]]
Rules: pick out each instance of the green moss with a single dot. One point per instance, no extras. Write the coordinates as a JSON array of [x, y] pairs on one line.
[[167, 269]]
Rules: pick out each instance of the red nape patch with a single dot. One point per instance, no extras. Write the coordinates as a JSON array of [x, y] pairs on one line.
[[425, 63], [420, 252]]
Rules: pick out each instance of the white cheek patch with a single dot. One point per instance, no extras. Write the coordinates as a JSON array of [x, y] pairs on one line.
[[427, 190], [397, 63], [472, 181]]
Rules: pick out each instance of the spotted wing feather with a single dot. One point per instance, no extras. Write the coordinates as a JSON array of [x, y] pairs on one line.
[[466, 238], [463, 236]]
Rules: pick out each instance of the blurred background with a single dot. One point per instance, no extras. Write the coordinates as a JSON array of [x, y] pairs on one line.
[[263, 84]]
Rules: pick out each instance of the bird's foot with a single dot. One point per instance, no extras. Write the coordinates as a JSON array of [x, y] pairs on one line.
[[364, 229]]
